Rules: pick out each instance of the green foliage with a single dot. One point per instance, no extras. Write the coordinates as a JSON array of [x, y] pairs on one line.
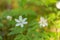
[[0, 37], [1, 25]]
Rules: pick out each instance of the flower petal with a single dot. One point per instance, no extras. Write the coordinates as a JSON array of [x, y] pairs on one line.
[[25, 22], [43, 25], [17, 24], [20, 18], [17, 20], [58, 5], [42, 19], [46, 24], [24, 19], [9, 17], [22, 25]]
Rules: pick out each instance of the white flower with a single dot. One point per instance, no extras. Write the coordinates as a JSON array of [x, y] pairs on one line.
[[43, 22], [58, 5], [21, 21], [9, 18]]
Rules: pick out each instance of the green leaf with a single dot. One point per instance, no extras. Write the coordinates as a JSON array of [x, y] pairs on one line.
[[22, 3], [0, 37], [1, 25]]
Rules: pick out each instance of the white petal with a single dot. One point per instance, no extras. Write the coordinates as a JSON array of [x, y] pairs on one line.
[[46, 24], [22, 25], [17, 20], [25, 22], [43, 25], [17, 24], [20, 18], [58, 5], [9, 17], [42, 19], [24, 19]]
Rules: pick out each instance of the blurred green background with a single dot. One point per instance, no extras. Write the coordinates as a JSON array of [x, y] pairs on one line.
[[32, 10]]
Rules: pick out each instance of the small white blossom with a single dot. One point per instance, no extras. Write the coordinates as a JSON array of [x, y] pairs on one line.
[[9, 18], [43, 22], [21, 21], [58, 5]]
